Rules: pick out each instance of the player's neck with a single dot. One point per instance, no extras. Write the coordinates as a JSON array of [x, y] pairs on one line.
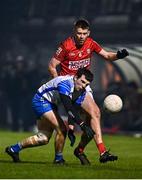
[[77, 44]]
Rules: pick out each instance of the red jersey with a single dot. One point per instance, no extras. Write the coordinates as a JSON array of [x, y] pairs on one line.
[[73, 58]]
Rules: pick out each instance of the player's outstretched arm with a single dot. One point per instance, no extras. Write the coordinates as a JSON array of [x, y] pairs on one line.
[[122, 53], [112, 56]]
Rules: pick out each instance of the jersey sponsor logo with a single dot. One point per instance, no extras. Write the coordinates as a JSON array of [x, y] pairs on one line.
[[59, 50], [74, 65], [88, 51], [45, 105]]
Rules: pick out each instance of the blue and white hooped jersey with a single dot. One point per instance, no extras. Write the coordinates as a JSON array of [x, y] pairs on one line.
[[60, 84]]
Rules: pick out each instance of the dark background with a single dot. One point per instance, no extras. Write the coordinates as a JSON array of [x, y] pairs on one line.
[[30, 31]]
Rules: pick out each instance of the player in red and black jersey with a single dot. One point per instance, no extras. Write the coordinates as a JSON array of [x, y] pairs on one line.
[[71, 57], [76, 52]]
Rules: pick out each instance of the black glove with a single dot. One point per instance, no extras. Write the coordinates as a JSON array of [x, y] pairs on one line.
[[71, 137], [89, 132], [122, 54], [70, 120]]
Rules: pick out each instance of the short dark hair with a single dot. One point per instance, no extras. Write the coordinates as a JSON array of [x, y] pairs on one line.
[[88, 74], [82, 23]]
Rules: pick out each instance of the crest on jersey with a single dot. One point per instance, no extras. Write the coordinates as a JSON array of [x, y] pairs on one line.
[[72, 54], [88, 51], [80, 54]]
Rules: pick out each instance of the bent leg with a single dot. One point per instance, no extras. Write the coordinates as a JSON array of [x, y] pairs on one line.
[[46, 125], [92, 109], [60, 137], [84, 139]]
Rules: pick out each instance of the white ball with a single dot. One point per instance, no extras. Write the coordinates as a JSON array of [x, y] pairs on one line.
[[113, 103]]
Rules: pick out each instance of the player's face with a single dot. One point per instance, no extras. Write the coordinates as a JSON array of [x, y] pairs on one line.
[[81, 35], [81, 83]]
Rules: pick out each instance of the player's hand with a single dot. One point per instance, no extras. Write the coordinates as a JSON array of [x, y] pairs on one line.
[[88, 130], [122, 54], [71, 137]]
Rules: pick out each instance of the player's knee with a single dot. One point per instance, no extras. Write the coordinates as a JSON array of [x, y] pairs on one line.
[[42, 138], [64, 132], [61, 135], [96, 113]]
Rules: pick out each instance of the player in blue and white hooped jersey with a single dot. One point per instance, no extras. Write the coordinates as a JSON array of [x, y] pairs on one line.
[[69, 90], [48, 96]]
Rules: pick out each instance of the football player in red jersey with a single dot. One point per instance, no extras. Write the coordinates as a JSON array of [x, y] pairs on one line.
[[76, 52]]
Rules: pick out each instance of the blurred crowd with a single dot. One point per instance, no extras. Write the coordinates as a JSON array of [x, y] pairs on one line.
[[30, 31], [130, 117], [19, 80], [23, 70]]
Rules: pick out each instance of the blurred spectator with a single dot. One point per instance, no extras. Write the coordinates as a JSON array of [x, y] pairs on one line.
[[3, 99], [17, 91], [129, 118], [133, 107]]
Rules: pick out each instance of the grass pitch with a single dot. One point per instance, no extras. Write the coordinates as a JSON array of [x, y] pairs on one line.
[[37, 162]]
